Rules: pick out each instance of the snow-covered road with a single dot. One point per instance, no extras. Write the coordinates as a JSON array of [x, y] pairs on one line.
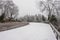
[[33, 31]]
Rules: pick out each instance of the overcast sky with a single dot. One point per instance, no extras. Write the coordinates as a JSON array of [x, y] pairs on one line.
[[27, 7]]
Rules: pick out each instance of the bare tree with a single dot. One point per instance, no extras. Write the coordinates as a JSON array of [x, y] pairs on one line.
[[9, 9], [49, 6]]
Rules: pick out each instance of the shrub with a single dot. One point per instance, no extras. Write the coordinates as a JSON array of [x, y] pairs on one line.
[[43, 18], [53, 20], [2, 17]]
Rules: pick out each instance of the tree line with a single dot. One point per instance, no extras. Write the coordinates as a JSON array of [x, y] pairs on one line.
[[33, 18]]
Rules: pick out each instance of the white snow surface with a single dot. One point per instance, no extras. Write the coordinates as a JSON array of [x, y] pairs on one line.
[[33, 31]]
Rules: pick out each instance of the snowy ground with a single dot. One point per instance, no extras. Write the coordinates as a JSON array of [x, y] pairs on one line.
[[33, 31]]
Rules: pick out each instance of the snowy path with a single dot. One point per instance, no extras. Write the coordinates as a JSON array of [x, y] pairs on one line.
[[33, 31]]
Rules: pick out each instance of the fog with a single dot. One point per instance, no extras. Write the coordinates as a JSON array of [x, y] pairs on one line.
[[27, 7]]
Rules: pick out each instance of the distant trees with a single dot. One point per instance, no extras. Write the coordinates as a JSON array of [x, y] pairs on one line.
[[9, 9], [34, 18]]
